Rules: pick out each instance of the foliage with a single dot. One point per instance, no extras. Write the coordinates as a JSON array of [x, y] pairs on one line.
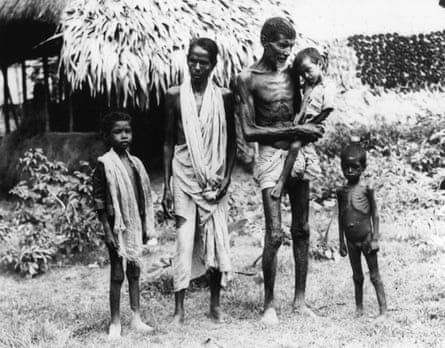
[[402, 164], [54, 214]]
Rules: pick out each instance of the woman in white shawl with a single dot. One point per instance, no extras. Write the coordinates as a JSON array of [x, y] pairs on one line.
[[199, 153]]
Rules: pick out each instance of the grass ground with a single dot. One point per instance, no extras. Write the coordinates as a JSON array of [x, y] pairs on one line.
[[68, 307]]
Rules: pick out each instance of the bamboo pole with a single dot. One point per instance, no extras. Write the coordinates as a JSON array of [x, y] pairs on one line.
[[46, 86], [12, 109], [6, 99], [70, 112], [25, 91], [69, 101]]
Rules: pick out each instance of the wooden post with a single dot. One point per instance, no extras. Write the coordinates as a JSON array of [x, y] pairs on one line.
[[46, 86], [70, 112], [6, 99], [12, 109], [61, 85], [25, 92]]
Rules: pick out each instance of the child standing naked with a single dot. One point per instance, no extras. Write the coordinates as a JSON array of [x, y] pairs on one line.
[[316, 106], [359, 221], [123, 200]]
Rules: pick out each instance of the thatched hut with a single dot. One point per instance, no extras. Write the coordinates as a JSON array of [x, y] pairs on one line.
[[128, 49], [126, 53]]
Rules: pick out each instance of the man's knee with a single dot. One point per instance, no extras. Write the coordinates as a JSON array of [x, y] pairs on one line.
[[375, 278], [301, 231], [275, 239], [358, 279], [117, 275], [133, 271]]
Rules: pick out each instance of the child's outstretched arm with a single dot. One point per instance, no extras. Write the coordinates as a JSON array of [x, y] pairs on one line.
[[341, 231], [322, 116], [374, 219]]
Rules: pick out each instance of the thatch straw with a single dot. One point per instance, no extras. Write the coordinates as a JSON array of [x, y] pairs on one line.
[[24, 24], [132, 47], [46, 11]]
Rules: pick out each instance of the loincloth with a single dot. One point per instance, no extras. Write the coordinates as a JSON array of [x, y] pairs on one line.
[[270, 161]]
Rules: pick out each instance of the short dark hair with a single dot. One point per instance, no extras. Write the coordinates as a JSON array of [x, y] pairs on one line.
[[274, 26], [354, 150], [309, 52], [111, 118], [208, 44]]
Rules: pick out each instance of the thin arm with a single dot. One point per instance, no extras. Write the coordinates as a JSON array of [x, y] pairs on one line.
[[169, 141], [253, 132], [231, 134], [374, 214], [341, 230]]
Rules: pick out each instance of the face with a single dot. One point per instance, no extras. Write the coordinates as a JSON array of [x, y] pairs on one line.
[[352, 169], [310, 71], [120, 135], [199, 64], [279, 51]]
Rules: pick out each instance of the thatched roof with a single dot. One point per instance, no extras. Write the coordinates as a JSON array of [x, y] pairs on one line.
[[137, 46], [26, 23]]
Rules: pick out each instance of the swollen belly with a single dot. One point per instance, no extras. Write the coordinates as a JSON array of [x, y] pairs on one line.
[[357, 226]]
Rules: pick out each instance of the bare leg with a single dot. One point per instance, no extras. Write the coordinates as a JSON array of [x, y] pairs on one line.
[[215, 290], [354, 253], [299, 200], [116, 280], [178, 318], [272, 242], [133, 274], [292, 154], [376, 280]]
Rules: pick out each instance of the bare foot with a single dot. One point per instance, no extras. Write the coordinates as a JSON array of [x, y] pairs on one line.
[[304, 310], [277, 191], [359, 312], [218, 316], [138, 325], [270, 317], [114, 331], [178, 320], [381, 318]]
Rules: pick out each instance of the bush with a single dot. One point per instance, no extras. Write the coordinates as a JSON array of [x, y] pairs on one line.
[[402, 163], [54, 214]]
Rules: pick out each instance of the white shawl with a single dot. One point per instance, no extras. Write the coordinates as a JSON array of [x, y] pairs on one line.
[[200, 164], [128, 226]]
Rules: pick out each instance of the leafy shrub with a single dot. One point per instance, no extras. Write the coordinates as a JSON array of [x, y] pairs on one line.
[[403, 162], [54, 214]]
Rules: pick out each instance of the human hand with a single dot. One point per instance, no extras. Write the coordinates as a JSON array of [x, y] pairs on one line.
[[167, 203], [223, 189], [343, 250], [374, 246], [310, 132], [109, 238]]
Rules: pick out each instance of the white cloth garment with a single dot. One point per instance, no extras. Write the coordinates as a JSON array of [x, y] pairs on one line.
[[199, 167], [128, 226]]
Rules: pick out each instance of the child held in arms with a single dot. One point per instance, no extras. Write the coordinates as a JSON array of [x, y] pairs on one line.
[[317, 104], [359, 221], [123, 200]]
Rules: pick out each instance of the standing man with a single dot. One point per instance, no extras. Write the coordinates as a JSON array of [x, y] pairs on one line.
[[199, 154], [268, 98]]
